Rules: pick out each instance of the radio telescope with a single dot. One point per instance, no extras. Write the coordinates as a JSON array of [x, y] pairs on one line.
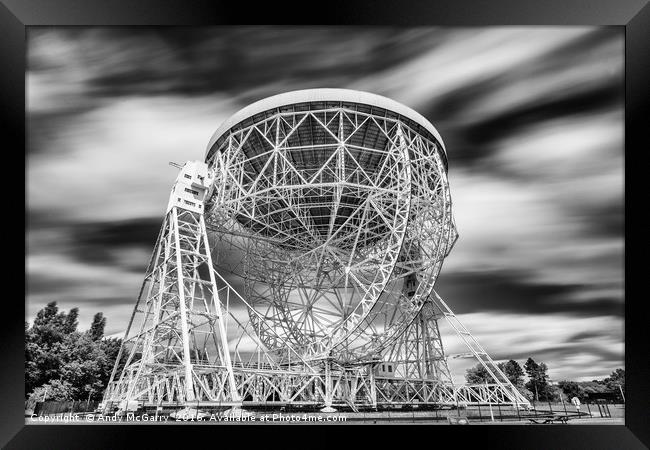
[[296, 265]]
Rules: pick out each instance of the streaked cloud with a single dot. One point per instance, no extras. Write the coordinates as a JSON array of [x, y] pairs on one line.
[[544, 337]]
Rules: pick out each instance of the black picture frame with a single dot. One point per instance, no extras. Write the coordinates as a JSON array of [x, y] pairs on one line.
[[633, 15]]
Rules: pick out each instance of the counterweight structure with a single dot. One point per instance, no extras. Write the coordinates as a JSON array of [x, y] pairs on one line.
[[296, 266]]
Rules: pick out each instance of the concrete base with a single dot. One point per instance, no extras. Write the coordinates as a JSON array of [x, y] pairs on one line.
[[189, 413], [236, 411], [328, 409]]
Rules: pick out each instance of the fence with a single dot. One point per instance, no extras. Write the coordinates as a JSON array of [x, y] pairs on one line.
[[54, 407], [592, 408]]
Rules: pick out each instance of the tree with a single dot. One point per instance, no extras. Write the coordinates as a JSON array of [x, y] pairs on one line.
[[513, 371], [76, 365], [478, 375], [538, 379], [97, 327], [46, 315], [593, 387], [70, 323], [526, 393], [43, 342], [111, 348], [532, 368], [552, 393], [616, 379], [572, 389]]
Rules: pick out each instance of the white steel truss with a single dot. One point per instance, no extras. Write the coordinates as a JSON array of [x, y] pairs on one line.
[[336, 219], [332, 210], [418, 353], [178, 327]]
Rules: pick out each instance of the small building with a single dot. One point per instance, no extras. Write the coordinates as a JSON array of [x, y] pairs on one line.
[[191, 187], [385, 369]]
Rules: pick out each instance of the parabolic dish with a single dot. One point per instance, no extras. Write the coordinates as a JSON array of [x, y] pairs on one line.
[[338, 205]]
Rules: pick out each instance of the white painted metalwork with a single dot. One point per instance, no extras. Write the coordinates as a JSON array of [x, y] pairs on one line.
[[331, 212]]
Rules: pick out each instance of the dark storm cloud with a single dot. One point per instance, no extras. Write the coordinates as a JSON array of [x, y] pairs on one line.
[[151, 61], [43, 283], [512, 121], [135, 232], [98, 302], [49, 126], [101, 242], [473, 141], [97, 242], [610, 220], [575, 49], [510, 292], [41, 218], [588, 335]]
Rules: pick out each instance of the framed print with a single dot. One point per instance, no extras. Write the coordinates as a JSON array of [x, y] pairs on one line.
[[379, 215]]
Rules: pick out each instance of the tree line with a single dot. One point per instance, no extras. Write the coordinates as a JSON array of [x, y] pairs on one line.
[[538, 386], [62, 363]]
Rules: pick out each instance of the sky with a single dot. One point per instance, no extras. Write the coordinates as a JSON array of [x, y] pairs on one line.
[[532, 119]]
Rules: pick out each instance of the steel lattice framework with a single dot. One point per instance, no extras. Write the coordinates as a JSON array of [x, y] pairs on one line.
[[331, 211]]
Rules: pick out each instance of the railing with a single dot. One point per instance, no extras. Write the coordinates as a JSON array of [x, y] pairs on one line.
[[61, 407]]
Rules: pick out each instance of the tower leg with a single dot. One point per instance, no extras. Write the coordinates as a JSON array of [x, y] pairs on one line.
[[329, 393], [187, 363], [418, 353], [178, 325], [373, 388], [503, 387], [234, 394], [421, 363]]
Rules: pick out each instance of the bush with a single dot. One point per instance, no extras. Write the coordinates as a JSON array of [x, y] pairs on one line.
[[56, 390]]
